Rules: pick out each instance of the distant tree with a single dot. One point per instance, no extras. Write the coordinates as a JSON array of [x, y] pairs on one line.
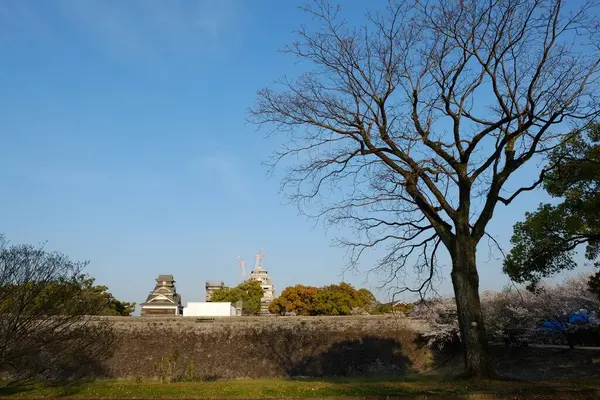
[[403, 308], [107, 303], [299, 299], [342, 299], [559, 309], [249, 292], [545, 243], [441, 315], [367, 299], [47, 328], [82, 288], [332, 301]]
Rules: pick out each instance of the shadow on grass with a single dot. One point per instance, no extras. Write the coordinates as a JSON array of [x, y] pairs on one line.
[[16, 387], [65, 388], [56, 388], [416, 387], [346, 388]]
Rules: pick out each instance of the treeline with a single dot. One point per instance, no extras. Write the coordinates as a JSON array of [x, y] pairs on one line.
[[342, 299], [562, 313]]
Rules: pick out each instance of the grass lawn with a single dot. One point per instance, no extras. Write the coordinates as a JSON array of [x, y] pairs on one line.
[[298, 388]]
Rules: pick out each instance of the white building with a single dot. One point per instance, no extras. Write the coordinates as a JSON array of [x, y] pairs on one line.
[[209, 309]]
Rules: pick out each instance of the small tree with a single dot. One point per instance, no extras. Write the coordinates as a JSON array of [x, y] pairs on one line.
[[342, 299], [299, 299], [46, 327], [249, 293]]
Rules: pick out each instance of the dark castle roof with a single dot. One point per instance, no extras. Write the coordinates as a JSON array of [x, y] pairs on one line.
[[176, 300], [164, 294], [165, 278]]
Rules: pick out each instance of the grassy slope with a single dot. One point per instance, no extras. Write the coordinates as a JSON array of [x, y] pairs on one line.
[[301, 388]]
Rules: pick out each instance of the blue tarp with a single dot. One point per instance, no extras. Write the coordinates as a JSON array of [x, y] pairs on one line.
[[578, 318]]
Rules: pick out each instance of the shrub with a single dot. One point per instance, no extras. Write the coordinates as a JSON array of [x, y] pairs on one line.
[[167, 365]]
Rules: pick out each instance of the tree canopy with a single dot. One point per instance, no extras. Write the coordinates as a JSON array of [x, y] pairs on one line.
[[547, 241], [299, 300], [248, 292], [342, 299], [107, 303], [79, 289]]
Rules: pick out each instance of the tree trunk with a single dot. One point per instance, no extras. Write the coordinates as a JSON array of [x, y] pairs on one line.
[[570, 342], [465, 280]]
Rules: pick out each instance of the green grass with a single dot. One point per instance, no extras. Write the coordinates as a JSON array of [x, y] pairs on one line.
[[287, 388]]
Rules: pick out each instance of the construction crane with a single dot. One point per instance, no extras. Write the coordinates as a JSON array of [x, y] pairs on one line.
[[259, 256], [242, 267]]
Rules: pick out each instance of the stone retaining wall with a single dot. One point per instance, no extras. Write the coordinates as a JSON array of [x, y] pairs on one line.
[[253, 347]]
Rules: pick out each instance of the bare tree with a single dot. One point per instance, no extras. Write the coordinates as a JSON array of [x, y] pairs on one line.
[[47, 325], [409, 127]]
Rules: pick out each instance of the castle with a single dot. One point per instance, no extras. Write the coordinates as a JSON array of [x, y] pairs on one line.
[[165, 301]]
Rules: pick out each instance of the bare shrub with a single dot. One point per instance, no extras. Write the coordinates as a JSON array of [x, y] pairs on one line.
[[46, 329]]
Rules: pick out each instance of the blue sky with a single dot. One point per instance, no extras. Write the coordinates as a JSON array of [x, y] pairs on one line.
[[123, 141]]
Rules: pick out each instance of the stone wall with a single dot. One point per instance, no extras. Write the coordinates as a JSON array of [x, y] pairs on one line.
[[253, 347]]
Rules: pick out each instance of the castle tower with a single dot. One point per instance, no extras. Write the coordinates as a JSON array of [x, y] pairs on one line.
[[260, 274], [164, 299], [211, 287]]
